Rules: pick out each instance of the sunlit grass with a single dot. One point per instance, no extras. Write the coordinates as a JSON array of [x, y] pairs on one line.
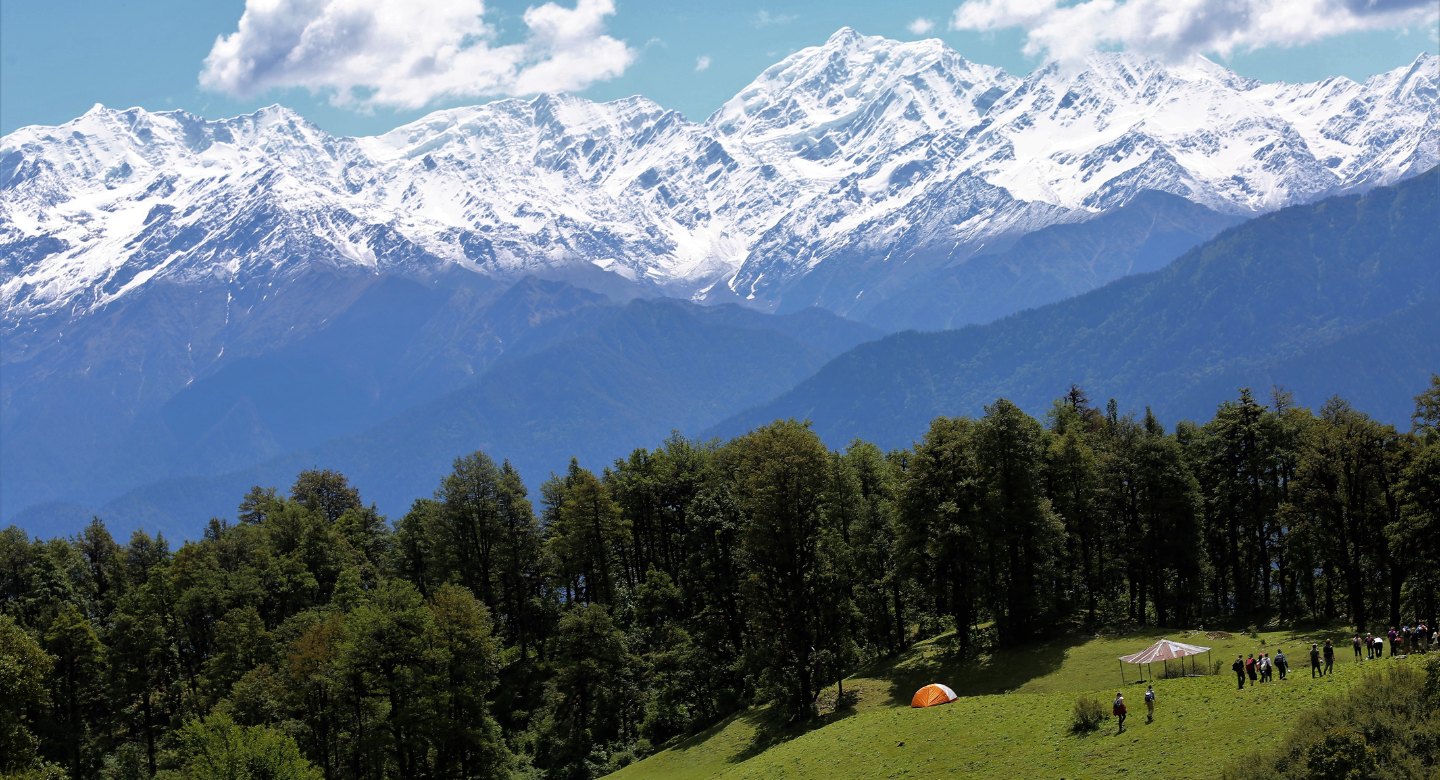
[[1013, 719]]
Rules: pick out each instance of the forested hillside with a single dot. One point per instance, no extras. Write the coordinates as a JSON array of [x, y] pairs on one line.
[[1288, 297], [1054, 263], [491, 633], [557, 372]]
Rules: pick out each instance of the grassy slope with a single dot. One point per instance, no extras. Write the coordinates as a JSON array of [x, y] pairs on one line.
[[1013, 719]]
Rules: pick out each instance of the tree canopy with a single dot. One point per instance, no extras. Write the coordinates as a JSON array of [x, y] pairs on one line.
[[489, 634]]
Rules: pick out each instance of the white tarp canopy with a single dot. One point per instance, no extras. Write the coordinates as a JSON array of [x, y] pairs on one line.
[[1164, 650]]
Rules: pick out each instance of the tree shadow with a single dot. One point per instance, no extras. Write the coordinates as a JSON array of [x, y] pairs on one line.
[[974, 675], [767, 729], [772, 730]]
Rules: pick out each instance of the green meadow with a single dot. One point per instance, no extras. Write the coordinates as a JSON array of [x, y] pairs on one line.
[[1013, 717]]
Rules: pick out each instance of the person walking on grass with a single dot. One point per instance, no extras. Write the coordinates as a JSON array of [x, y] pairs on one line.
[[1250, 669], [1356, 644], [1239, 669], [1118, 709], [1329, 656], [1281, 663], [1315, 669], [1393, 637], [1149, 704]]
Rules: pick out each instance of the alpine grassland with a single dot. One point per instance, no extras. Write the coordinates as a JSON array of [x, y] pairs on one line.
[[1013, 717]]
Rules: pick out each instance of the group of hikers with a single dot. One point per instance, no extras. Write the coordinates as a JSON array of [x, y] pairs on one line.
[[1117, 708], [1263, 669], [1407, 639]]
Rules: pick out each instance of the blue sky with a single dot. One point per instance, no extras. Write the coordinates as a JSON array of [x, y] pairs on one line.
[[58, 57]]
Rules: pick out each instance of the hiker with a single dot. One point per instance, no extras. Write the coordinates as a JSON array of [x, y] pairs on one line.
[[1329, 656], [1239, 667], [1280, 663], [1118, 709], [1393, 637], [1369, 647], [1356, 644], [1267, 668], [1315, 661], [1250, 668], [1149, 703], [1423, 636]]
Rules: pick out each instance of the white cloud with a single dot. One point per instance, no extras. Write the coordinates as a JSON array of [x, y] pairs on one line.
[[407, 55], [766, 19], [920, 26], [1178, 29], [701, 63]]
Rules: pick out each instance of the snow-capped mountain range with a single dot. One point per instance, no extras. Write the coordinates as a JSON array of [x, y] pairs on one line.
[[863, 164]]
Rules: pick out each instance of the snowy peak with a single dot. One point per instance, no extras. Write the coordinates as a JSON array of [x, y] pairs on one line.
[[858, 93], [841, 171]]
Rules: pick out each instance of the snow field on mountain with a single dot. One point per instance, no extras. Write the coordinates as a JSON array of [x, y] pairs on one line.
[[851, 159]]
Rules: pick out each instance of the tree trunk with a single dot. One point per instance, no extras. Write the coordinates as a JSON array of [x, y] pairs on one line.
[[149, 733]]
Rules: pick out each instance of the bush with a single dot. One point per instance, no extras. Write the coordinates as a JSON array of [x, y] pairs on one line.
[[1089, 713], [217, 749], [1340, 754]]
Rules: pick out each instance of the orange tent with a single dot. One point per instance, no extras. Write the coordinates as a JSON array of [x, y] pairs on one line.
[[933, 694]]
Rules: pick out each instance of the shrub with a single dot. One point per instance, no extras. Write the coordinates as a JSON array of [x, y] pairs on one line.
[[217, 749], [1089, 713], [1340, 754]]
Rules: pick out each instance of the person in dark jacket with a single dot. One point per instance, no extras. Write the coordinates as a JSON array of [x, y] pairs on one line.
[[1282, 664], [1239, 669], [1315, 668], [1329, 656]]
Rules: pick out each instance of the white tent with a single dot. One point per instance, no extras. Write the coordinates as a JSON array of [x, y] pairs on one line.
[[1164, 651]]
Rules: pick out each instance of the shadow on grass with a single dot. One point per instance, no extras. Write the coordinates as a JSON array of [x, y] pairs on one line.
[[682, 744], [985, 674], [766, 728], [770, 730]]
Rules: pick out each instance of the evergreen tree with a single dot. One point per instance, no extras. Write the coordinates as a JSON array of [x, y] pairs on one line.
[[1020, 536], [790, 556], [941, 529]]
